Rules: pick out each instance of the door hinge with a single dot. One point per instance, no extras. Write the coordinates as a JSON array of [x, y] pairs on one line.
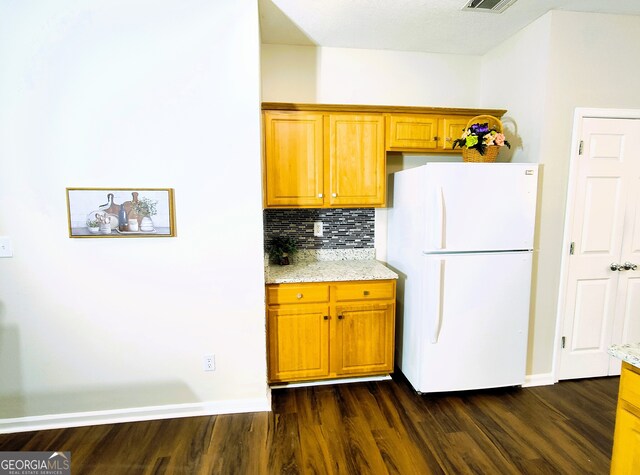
[[572, 248], [563, 341], [580, 147]]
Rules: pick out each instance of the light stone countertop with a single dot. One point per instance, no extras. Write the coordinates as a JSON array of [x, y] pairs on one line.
[[629, 352], [329, 268]]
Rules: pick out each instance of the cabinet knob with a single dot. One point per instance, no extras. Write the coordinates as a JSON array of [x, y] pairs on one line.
[[320, 195], [435, 139], [340, 317], [299, 296], [326, 317], [334, 194], [366, 292], [448, 139]]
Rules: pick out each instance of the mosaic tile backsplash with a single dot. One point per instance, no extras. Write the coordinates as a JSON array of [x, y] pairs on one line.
[[342, 228]]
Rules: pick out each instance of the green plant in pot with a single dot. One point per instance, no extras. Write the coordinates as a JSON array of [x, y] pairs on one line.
[[280, 248], [145, 207], [93, 226]]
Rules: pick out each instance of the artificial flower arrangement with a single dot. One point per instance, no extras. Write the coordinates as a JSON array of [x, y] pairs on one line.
[[479, 137]]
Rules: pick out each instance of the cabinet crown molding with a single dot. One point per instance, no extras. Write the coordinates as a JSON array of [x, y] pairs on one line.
[[355, 108]]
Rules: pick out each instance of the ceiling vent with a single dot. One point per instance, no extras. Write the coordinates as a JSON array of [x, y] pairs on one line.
[[489, 6]]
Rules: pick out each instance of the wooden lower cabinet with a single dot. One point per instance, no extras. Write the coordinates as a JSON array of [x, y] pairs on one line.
[[298, 340], [363, 342], [351, 334], [626, 439]]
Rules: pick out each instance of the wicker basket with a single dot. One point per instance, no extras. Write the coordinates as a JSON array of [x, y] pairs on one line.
[[472, 155], [491, 151]]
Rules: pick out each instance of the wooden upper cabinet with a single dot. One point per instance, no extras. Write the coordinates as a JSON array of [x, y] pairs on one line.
[[293, 159], [451, 128], [412, 131], [316, 160], [357, 160], [329, 155], [424, 132]]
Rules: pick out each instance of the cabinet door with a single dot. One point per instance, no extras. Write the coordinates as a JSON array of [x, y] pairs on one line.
[[626, 440], [293, 165], [357, 160], [451, 129], [298, 338], [412, 132], [363, 341]]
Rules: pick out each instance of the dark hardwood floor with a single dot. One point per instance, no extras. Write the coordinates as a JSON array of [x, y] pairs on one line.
[[362, 428]]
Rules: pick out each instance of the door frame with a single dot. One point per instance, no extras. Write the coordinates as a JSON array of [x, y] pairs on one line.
[[579, 115]]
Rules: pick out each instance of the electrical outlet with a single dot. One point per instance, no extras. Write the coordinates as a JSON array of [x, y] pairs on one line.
[[209, 363], [317, 229], [5, 247]]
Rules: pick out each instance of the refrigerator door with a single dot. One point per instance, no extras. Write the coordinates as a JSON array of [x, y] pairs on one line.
[[479, 206], [476, 317]]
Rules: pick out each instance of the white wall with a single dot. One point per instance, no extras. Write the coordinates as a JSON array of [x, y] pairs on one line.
[[359, 76], [289, 73], [562, 61], [135, 93], [515, 76]]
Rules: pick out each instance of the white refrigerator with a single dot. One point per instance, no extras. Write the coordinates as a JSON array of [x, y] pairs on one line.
[[460, 235]]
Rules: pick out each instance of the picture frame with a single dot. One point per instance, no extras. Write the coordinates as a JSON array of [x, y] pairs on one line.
[[102, 212]]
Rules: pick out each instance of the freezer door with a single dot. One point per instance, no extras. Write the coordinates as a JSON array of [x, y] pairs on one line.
[[476, 311], [480, 206]]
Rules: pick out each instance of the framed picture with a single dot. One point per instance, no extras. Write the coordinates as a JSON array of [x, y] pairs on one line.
[[120, 212]]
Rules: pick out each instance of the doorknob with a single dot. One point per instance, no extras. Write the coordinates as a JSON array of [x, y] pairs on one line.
[[629, 266], [615, 266]]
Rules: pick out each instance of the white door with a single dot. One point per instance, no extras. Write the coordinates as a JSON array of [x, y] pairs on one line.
[[476, 319], [480, 206], [602, 301], [626, 323]]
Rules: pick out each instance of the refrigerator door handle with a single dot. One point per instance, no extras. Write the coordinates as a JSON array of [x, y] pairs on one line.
[[437, 322], [439, 234]]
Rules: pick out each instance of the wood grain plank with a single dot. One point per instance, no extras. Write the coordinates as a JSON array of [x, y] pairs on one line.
[[336, 420], [285, 456], [361, 428], [388, 431]]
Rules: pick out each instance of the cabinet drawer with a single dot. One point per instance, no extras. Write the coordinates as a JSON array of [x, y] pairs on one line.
[[630, 384], [283, 294], [373, 290]]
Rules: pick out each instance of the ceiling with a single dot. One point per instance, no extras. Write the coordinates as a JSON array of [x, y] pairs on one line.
[[435, 26]]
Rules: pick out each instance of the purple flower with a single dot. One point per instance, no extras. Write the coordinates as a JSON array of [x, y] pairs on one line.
[[479, 129]]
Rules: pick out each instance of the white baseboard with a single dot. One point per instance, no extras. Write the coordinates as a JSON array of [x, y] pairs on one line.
[[136, 414], [542, 379]]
